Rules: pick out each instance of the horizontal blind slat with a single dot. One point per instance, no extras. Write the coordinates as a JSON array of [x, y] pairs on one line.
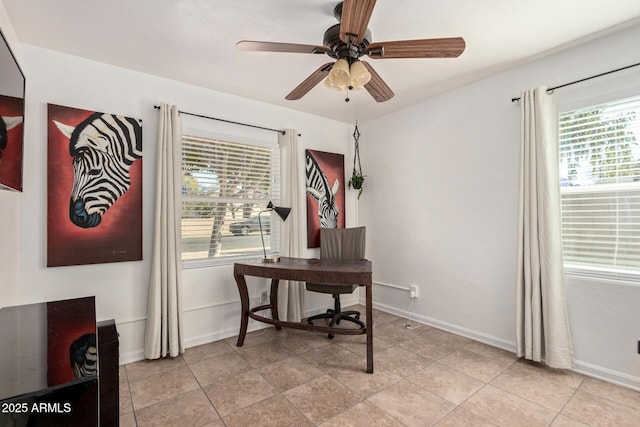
[[600, 185], [226, 187]]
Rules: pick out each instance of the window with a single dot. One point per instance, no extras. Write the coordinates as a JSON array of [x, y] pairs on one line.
[[600, 189], [225, 185]]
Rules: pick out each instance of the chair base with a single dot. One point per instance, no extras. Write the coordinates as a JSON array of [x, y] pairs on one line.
[[336, 317]]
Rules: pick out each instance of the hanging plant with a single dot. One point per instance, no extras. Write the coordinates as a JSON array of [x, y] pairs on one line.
[[357, 178], [356, 181]]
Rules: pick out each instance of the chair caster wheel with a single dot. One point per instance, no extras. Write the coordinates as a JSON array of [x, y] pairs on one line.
[[331, 336], [357, 317], [310, 322]]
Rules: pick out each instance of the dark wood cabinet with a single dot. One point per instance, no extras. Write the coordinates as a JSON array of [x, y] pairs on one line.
[[108, 377], [58, 367]]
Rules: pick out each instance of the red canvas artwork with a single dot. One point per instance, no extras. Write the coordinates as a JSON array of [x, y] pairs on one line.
[[11, 125], [325, 193], [94, 179]]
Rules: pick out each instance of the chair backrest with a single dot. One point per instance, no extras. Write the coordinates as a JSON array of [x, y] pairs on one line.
[[342, 243]]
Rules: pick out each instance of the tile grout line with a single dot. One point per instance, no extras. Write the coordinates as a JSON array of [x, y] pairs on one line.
[[203, 391], [440, 343]]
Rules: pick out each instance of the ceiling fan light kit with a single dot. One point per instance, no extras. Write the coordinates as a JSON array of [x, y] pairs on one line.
[[360, 76], [345, 77], [347, 42], [338, 77]]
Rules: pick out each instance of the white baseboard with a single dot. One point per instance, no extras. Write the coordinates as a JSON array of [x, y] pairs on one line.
[[130, 357], [138, 355], [449, 327], [607, 375], [583, 368]]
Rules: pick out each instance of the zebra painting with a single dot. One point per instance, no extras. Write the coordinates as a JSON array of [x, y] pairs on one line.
[[83, 355], [326, 192], [7, 123], [94, 187], [103, 147], [11, 128]]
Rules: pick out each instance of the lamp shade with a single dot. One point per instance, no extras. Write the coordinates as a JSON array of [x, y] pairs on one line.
[[331, 85], [339, 75], [360, 76], [283, 213]]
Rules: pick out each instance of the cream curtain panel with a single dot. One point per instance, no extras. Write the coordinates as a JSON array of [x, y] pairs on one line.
[[291, 294], [542, 319], [163, 334]]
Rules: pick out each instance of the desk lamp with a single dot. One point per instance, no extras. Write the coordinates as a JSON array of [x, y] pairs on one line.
[[283, 213]]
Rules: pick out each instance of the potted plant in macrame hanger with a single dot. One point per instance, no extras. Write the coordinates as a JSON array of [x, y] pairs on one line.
[[357, 178]]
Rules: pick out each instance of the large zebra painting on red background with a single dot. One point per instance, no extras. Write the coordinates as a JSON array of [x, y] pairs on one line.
[[11, 114], [94, 178], [325, 193]]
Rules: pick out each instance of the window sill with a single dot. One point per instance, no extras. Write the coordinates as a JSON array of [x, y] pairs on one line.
[[602, 275], [222, 261]]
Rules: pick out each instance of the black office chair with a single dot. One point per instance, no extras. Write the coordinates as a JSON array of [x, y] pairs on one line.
[[339, 244]]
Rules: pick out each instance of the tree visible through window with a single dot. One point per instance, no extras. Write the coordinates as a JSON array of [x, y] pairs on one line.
[[225, 186], [600, 187]]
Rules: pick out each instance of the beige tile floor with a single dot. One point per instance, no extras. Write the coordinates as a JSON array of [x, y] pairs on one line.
[[423, 377]]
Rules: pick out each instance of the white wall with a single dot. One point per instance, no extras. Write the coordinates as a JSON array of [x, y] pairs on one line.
[[211, 299], [7, 30], [9, 275], [441, 195]]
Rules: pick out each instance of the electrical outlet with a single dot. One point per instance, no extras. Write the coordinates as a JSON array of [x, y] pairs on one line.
[[413, 292], [264, 298]]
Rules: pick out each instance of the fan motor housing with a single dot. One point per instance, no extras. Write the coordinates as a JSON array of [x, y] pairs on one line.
[[340, 49]]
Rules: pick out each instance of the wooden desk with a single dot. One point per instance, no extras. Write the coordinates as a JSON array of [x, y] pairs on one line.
[[304, 270]]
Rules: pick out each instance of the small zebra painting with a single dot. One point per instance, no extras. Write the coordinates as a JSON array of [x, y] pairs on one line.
[[325, 193], [71, 340], [11, 110], [95, 187], [83, 356]]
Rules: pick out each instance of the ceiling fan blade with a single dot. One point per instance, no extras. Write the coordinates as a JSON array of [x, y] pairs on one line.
[[310, 82], [258, 46], [376, 87], [355, 18], [424, 48]]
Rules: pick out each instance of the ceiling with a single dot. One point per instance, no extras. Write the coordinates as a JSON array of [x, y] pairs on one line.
[[194, 41]]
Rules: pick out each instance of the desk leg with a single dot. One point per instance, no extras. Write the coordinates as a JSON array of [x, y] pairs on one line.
[[244, 303], [369, 306], [273, 297]]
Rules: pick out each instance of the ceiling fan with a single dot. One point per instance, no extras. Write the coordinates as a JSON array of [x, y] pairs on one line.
[[349, 40]]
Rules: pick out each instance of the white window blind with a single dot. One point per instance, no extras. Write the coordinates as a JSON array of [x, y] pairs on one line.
[[600, 188], [225, 186]]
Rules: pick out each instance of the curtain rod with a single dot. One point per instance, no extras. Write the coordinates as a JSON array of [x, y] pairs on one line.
[[585, 79], [157, 107]]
